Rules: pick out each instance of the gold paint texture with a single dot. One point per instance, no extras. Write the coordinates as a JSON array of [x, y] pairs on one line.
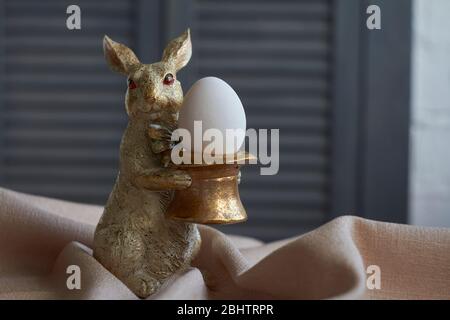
[[133, 239], [213, 197]]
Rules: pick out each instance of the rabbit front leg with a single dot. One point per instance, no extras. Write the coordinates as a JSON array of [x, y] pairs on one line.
[[161, 179]]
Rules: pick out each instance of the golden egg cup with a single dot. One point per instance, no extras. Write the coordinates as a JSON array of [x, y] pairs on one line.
[[213, 196]]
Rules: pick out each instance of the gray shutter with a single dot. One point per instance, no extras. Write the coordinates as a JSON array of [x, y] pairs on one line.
[[276, 56], [63, 111]]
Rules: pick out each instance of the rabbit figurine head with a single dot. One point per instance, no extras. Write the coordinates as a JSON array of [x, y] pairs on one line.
[[152, 88]]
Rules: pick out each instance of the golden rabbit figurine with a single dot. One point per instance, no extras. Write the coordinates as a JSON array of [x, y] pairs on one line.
[[133, 239]]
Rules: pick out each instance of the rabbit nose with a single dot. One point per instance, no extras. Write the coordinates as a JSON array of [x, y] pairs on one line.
[[150, 96]]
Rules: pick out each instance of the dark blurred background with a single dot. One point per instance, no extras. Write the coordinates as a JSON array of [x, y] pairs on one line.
[[339, 93]]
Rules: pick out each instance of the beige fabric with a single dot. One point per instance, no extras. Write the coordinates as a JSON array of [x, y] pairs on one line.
[[40, 238]]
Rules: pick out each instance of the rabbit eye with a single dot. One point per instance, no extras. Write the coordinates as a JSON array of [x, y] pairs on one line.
[[169, 79], [131, 84]]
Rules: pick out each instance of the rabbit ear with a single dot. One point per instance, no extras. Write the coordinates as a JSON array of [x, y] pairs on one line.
[[119, 57], [179, 51]]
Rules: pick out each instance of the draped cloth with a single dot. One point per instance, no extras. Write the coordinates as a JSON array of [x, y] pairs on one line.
[[347, 258]]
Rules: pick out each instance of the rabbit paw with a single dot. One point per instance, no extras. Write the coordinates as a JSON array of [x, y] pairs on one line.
[[159, 132], [180, 179], [165, 159], [143, 285]]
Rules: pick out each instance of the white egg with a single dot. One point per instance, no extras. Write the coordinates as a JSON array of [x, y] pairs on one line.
[[213, 102]]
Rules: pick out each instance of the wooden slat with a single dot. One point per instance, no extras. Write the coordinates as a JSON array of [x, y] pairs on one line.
[[262, 48], [64, 109], [297, 9]]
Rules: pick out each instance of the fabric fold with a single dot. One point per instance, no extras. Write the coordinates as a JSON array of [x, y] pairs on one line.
[[40, 238]]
